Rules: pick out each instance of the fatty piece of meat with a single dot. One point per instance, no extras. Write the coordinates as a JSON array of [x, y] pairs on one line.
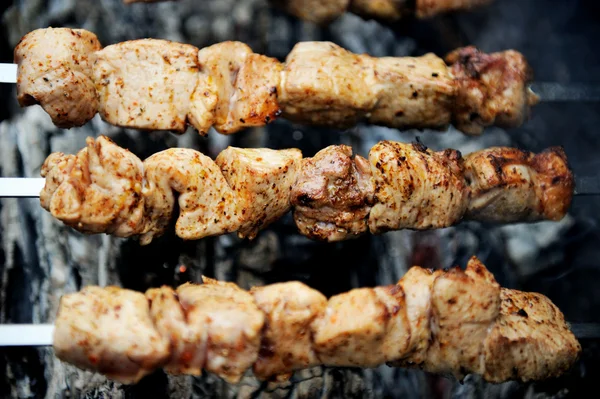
[[324, 84], [333, 195], [464, 306], [530, 340], [147, 84], [109, 331], [510, 185], [416, 188], [97, 191], [412, 92], [316, 11], [492, 89], [207, 205], [429, 8], [231, 322], [245, 83], [59, 80], [187, 339], [262, 180], [360, 328], [289, 309]]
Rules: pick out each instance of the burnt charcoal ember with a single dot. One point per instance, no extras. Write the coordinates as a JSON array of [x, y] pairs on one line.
[[40, 259]]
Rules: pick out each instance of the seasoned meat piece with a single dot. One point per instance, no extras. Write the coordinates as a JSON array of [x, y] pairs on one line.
[[511, 185], [412, 92], [492, 89], [429, 8], [187, 341], [60, 80], [231, 322], [384, 10], [246, 85], [333, 195], [262, 180], [325, 84], [207, 205], [530, 340], [317, 11], [416, 188], [286, 345], [147, 84], [464, 305], [109, 330], [97, 191]]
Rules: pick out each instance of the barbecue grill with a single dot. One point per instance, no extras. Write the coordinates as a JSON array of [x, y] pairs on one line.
[[41, 259]]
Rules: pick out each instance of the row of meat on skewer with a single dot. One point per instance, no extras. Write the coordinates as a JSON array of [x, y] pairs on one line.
[[452, 322], [161, 85]]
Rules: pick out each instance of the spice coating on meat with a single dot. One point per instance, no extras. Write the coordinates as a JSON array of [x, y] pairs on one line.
[[59, 81], [289, 308], [415, 187], [512, 185], [333, 195], [262, 180], [147, 83], [317, 11], [449, 322], [109, 330], [492, 89], [231, 322], [207, 205], [97, 191], [429, 8]]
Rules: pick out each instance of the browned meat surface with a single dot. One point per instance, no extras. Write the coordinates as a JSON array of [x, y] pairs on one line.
[[429, 8], [109, 330], [59, 80], [333, 195], [318, 11], [262, 180], [512, 185], [451, 322], [415, 187], [492, 89]]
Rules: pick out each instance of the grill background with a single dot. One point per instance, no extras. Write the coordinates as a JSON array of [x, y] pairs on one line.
[[40, 259]]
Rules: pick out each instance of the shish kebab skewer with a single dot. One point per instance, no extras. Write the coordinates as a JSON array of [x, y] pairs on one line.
[[453, 321], [334, 196], [161, 85]]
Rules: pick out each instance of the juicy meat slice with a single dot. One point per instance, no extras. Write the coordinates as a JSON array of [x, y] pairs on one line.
[[416, 188], [317, 11], [324, 84], [231, 322], [429, 8], [286, 344], [333, 194], [187, 337], [97, 191], [492, 89], [412, 92], [109, 330], [207, 205], [246, 85], [511, 185], [60, 80], [147, 84], [262, 180], [464, 306], [530, 339]]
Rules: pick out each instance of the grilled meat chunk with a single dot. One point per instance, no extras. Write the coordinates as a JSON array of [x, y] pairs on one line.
[[415, 187], [60, 81], [333, 194], [262, 180], [109, 330], [511, 185], [492, 89], [97, 191], [429, 8], [147, 84]]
